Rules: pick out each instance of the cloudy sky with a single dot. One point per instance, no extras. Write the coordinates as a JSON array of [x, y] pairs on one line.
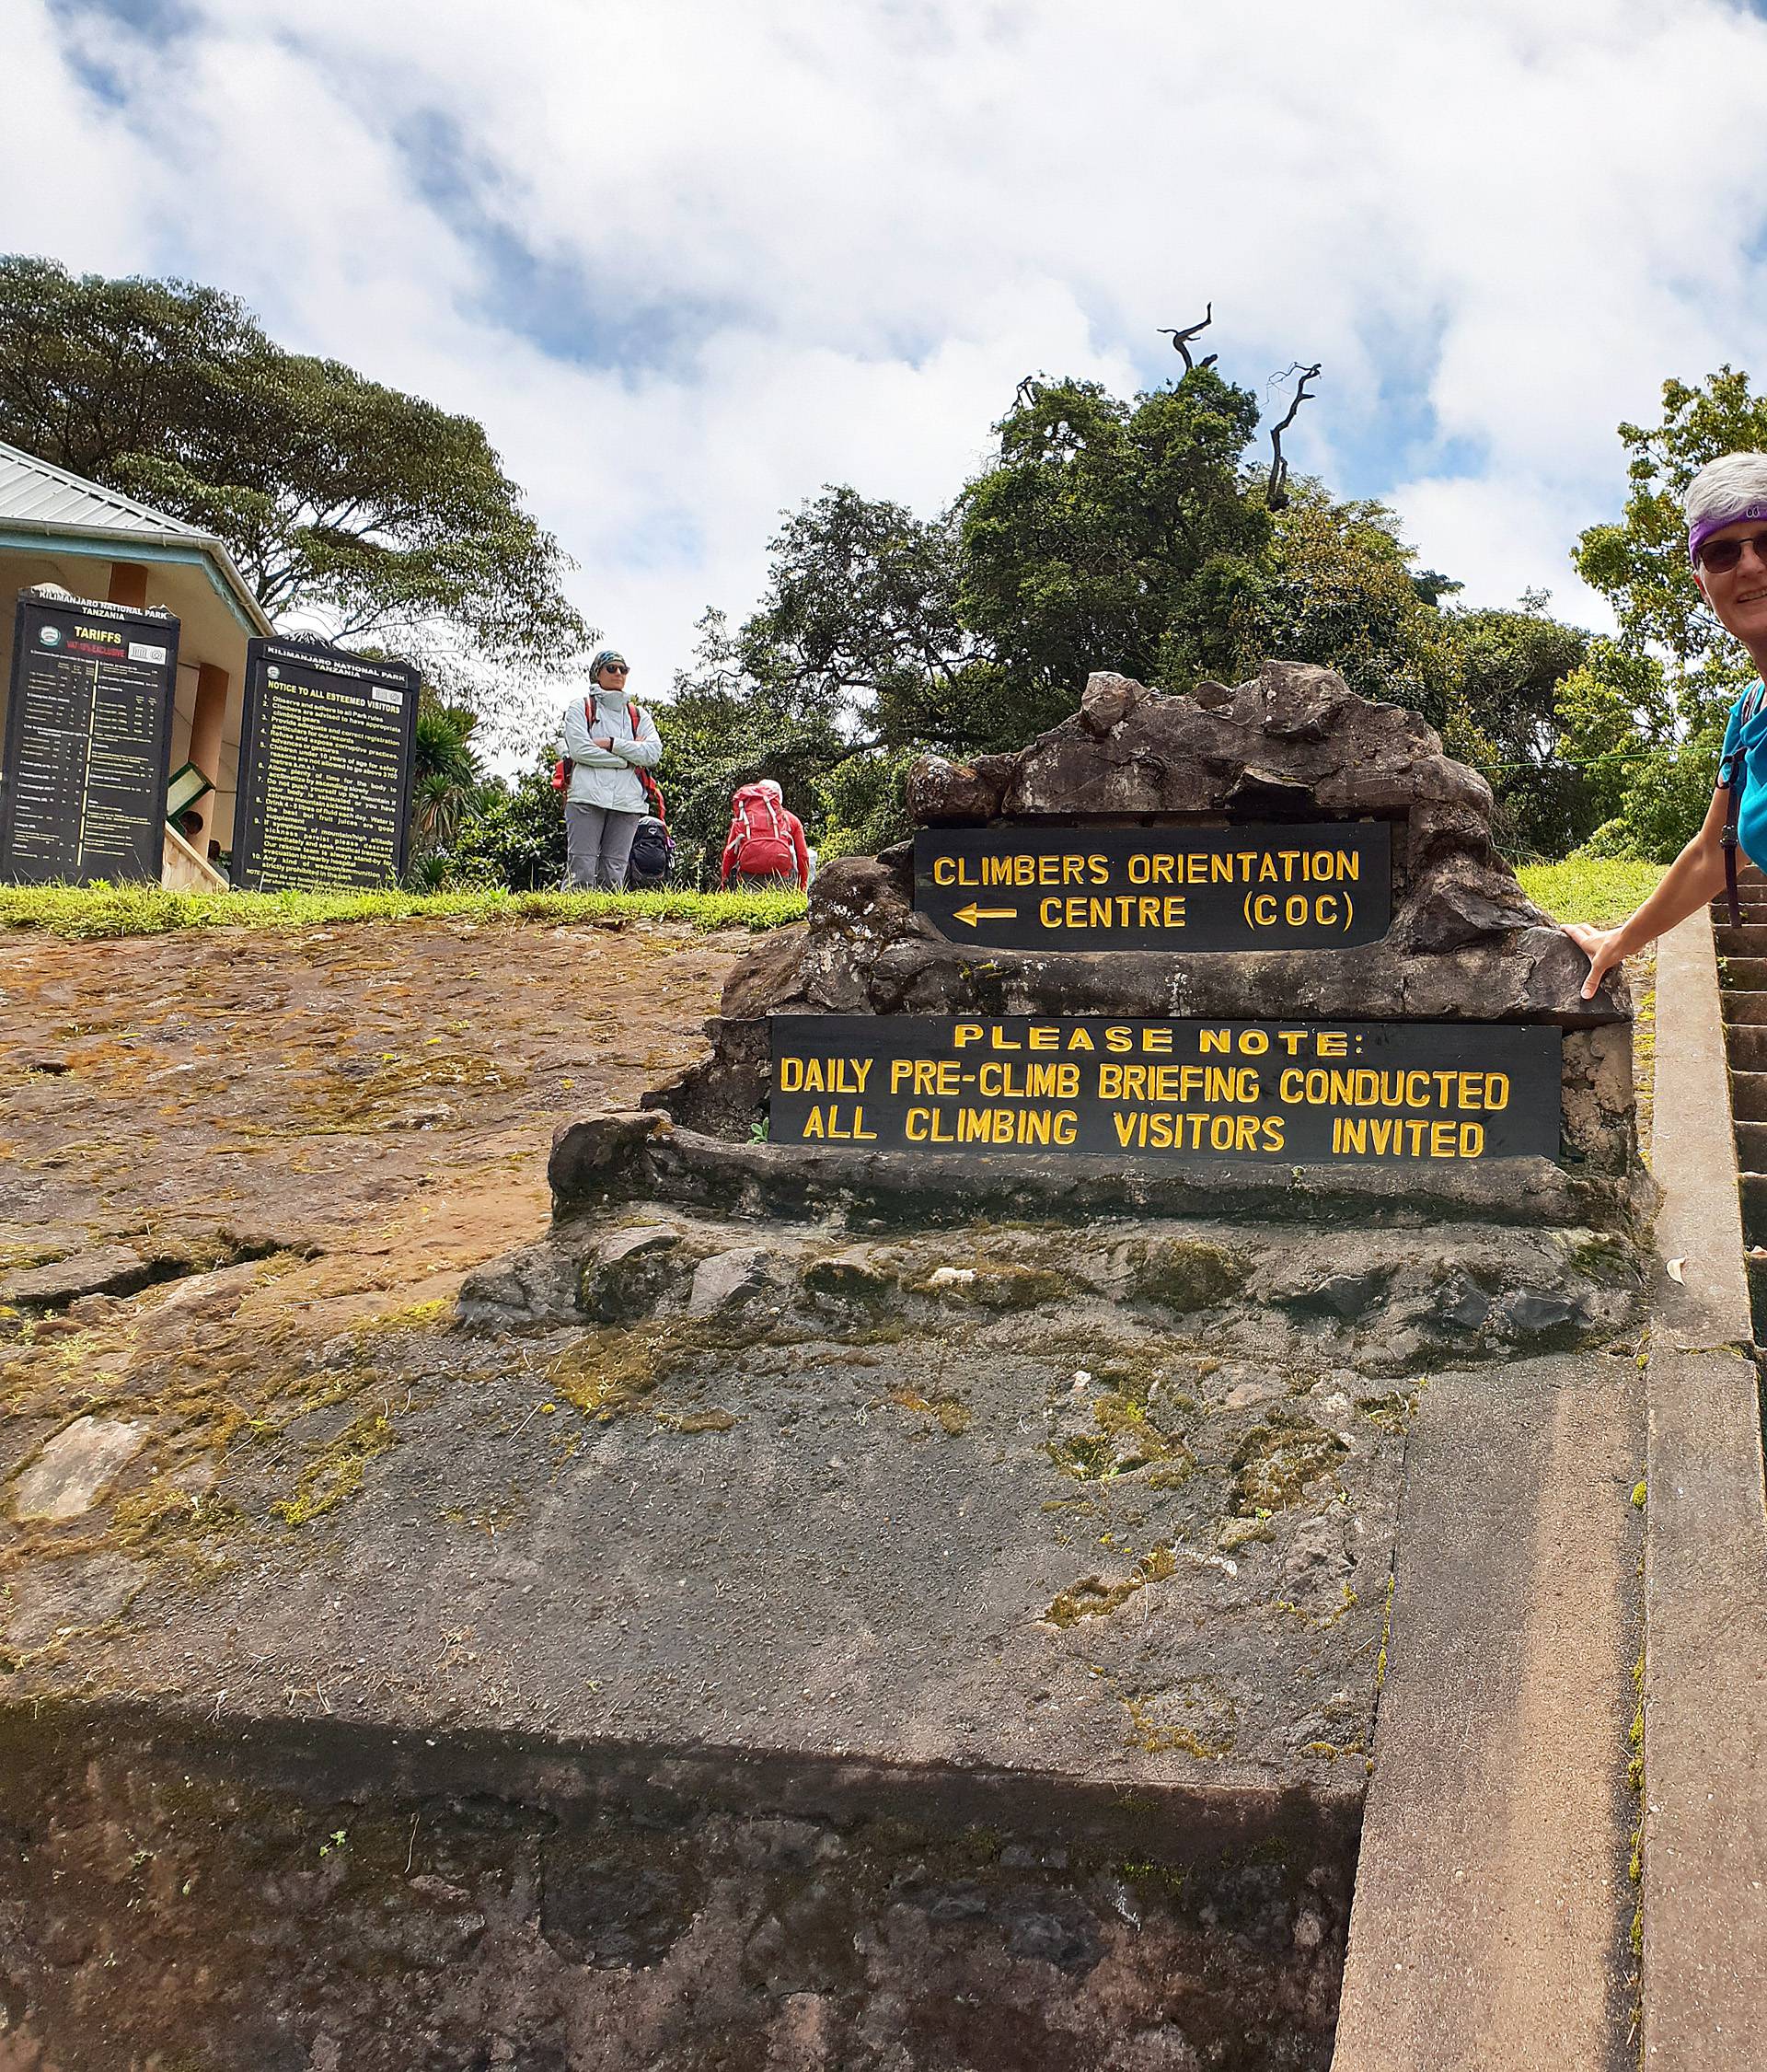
[[689, 259]]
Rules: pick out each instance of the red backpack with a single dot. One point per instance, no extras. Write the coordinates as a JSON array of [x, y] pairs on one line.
[[763, 840]]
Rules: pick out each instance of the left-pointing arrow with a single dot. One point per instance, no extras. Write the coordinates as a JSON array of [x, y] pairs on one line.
[[972, 913]]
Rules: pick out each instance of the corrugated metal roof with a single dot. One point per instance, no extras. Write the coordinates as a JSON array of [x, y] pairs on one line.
[[38, 497], [34, 494]]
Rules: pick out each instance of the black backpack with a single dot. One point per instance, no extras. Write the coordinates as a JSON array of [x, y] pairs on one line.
[[652, 857]]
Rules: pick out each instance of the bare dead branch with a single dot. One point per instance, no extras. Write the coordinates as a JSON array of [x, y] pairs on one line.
[[1181, 339], [1277, 491]]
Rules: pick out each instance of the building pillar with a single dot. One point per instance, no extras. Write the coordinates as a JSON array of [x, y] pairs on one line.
[[206, 716], [128, 585]]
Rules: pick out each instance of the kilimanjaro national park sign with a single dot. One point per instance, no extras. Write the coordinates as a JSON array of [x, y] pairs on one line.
[[325, 768], [1315, 886]]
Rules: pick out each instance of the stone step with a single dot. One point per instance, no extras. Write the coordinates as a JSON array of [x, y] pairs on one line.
[[1752, 1146], [1749, 1096], [1742, 1004], [1748, 974], [1748, 940], [1751, 1189], [1746, 1048]]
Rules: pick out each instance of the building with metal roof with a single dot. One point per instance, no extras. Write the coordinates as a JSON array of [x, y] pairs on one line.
[[96, 542]]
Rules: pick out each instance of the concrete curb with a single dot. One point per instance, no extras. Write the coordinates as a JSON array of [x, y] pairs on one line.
[[1488, 1929], [1705, 1565]]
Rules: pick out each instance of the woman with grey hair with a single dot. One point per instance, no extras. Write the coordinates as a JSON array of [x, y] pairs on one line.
[[1726, 542], [607, 743]]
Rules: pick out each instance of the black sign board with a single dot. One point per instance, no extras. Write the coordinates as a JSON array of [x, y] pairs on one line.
[[1269, 1092], [88, 727], [1320, 886], [325, 768]]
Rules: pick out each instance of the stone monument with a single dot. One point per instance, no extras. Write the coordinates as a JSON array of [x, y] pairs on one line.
[[1036, 1293]]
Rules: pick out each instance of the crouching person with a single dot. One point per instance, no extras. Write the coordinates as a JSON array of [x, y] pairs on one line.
[[765, 850]]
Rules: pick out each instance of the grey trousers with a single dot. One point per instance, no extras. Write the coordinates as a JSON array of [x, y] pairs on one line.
[[598, 845]]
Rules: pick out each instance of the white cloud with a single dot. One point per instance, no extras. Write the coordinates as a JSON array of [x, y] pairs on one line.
[[776, 245]]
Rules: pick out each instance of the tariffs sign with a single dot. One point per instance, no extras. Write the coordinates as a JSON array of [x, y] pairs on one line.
[[325, 768], [1266, 1093], [88, 727], [1157, 888]]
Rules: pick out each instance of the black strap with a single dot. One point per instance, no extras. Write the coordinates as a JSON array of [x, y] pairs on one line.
[[1733, 775], [1728, 839]]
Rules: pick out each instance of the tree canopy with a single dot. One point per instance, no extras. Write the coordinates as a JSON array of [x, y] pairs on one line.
[[1105, 533], [1648, 712], [338, 497]]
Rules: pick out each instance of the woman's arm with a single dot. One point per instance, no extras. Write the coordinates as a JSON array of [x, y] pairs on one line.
[[1695, 876], [645, 751]]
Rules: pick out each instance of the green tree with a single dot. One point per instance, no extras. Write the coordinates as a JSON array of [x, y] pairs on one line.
[[725, 727], [1504, 716], [1640, 564], [516, 836], [1673, 667], [1338, 590], [1106, 534], [1114, 535], [336, 496]]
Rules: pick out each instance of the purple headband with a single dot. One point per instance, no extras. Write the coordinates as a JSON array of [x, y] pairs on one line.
[[1698, 535]]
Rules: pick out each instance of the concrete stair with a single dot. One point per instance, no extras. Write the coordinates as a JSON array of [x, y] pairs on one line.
[[1742, 1009]]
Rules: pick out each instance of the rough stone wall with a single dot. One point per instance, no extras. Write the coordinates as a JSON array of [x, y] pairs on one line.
[[296, 1904]]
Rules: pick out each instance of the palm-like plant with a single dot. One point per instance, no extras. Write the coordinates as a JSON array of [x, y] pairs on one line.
[[447, 777]]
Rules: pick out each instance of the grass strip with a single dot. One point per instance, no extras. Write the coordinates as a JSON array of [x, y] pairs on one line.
[[82, 912], [1600, 890]]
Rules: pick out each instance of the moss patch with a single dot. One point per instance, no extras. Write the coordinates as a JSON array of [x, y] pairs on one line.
[[1097, 1596], [993, 1284], [951, 1415], [1187, 1274], [336, 1474], [1276, 1460], [1190, 1719]]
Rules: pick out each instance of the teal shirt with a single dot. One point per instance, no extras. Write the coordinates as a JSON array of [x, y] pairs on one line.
[[1744, 760]]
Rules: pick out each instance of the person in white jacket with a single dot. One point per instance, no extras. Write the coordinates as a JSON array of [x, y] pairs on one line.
[[607, 740]]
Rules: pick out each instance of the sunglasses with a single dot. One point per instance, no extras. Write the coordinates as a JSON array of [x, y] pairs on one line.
[[1720, 556], [620, 669]]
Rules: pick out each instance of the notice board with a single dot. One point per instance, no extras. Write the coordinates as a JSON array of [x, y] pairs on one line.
[[1277, 1092], [88, 727], [324, 770], [1278, 887]]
